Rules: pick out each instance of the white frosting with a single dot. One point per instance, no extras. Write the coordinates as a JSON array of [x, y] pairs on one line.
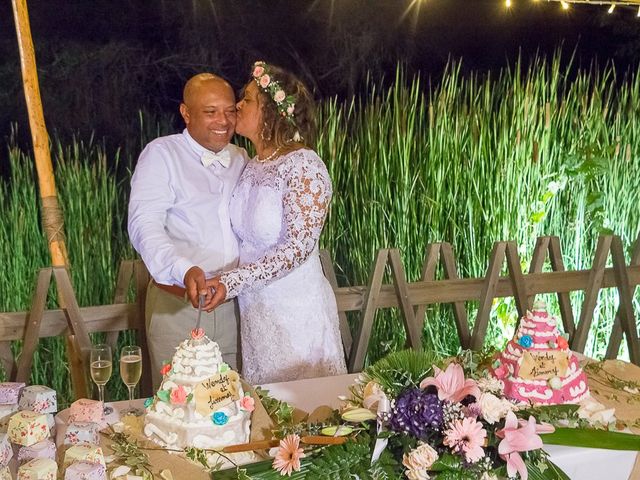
[[578, 389], [546, 395], [180, 426]]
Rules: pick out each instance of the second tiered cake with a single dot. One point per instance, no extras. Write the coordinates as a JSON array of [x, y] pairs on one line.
[[537, 366]]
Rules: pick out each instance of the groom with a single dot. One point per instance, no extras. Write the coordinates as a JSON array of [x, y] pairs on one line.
[[179, 220]]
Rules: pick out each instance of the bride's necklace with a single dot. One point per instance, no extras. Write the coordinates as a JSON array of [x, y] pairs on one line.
[[270, 157]]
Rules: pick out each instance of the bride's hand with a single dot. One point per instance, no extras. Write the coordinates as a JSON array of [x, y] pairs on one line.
[[219, 293]]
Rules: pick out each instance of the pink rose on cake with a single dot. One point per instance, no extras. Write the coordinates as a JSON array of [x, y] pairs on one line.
[[248, 403], [178, 396]]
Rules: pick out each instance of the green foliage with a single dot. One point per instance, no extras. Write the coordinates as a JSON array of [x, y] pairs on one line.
[[329, 463], [401, 370]]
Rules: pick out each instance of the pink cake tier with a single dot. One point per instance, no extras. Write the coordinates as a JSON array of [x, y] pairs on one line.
[[537, 366]]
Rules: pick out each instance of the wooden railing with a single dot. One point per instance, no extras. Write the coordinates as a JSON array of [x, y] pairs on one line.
[[411, 297]]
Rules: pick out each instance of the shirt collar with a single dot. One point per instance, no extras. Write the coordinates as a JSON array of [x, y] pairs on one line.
[[195, 146]]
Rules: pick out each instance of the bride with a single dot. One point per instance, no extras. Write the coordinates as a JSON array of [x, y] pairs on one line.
[[288, 314]]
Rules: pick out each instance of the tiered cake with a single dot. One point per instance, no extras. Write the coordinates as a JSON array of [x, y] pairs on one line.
[[537, 366], [200, 402]]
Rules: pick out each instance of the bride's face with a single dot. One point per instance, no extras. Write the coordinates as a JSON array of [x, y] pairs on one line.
[[249, 113]]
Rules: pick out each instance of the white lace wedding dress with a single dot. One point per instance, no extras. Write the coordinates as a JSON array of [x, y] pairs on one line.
[[288, 314]]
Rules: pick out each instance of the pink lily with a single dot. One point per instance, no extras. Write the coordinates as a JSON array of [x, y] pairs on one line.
[[519, 437], [451, 383]]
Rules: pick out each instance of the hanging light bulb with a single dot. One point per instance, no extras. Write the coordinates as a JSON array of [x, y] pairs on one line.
[[638, 11], [611, 8], [507, 3], [565, 5]]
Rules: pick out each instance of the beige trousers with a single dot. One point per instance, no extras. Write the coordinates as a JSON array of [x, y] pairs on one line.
[[169, 320]]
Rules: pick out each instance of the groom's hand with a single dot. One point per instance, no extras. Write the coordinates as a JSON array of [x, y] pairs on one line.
[[195, 283], [219, 293]]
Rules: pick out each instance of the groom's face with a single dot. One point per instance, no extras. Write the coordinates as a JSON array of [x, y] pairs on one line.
[[210, 114]]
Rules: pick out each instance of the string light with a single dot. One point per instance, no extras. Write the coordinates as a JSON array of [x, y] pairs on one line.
[[507, 3], [638, 11], [565, 5], [611, 8]]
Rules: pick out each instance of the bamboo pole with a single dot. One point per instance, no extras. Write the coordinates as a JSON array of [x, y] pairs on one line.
[[52, 220]]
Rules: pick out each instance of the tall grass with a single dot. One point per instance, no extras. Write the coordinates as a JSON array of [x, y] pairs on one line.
[[94, 207], [473, 160], [537, 149]]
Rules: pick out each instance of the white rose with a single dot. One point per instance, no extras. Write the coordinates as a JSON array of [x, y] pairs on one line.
[[420, 458], [279, 96], [490, 384], [417, 474], [493, 408]]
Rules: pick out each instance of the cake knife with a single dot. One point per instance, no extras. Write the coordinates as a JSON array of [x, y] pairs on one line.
[[201, 298]]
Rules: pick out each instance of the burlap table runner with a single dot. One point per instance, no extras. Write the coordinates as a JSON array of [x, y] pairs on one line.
[[605, 385]]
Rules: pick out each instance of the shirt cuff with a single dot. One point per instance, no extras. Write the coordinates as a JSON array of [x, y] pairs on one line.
[[180, 267]]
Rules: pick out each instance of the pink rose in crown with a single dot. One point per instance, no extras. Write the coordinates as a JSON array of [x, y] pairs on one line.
[[178, 396], [258, 71], [197, 333], [265, 80], [165, 369], [279, 96], [290, 109], [248, 403]]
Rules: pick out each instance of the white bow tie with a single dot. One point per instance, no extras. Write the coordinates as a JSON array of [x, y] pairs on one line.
[[223, 157]]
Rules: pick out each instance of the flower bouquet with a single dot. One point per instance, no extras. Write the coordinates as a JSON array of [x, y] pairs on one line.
[[412, 415]]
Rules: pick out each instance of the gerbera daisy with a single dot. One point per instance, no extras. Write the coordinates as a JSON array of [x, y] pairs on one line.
[[288, 456], [466, 436]]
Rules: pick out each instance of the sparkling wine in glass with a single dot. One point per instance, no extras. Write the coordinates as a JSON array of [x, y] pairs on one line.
[[101, 365], [130, 372]]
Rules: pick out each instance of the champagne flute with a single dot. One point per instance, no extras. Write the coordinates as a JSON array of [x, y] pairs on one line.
[[130, 372], [101, 367]]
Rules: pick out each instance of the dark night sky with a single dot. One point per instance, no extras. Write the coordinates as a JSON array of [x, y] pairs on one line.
[[134, 54]]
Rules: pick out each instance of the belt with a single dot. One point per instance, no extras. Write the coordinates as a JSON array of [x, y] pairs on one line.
[[175, 290]]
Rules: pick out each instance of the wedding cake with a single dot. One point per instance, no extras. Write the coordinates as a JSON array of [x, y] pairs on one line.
[[200, 402], [537, 366]]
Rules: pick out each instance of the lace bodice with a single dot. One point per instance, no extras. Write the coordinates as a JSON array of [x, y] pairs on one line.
[[278, 211]]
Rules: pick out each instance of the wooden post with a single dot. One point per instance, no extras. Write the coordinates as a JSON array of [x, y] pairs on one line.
[[51, 214]]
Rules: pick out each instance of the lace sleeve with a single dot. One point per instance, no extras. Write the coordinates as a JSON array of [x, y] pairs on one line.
[[306, 198]]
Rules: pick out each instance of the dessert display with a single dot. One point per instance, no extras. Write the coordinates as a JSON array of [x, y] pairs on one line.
[[38, 469], [38, 398], [537, 366], [83, 453], [200, 402], [81, 432], [85, 471], [27, 427], [44, 449], [87, 410], [10, 391]]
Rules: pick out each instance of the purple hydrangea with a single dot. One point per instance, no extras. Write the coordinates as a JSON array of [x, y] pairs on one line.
[[416, 412]]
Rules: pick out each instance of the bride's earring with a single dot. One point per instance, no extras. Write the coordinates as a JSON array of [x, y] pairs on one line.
[[266, 137]]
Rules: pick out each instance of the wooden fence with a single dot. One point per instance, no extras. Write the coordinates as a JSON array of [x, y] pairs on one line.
[[411, 297]]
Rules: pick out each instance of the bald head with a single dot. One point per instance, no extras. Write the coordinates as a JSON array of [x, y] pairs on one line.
[[204, 81], [209, 110]]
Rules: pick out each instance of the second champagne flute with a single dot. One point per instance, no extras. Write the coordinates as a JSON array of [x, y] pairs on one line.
[[130, 372]]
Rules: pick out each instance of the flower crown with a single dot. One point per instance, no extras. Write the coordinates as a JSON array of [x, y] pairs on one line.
[[286, 103]]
